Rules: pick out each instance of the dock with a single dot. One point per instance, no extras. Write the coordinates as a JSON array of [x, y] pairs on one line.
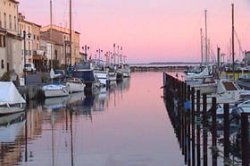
[[196, 127]]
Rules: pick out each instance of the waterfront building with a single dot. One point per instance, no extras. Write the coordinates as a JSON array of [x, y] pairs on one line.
[[10, 40], [60, 38], [34, 54]]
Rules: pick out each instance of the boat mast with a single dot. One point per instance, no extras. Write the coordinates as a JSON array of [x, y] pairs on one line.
[[202, 60], [206, 50], [233, 40], [50, 36], [70, 30], [114, 54]]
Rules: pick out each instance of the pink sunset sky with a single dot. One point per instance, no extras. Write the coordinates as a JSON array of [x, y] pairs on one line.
[[148, 30]]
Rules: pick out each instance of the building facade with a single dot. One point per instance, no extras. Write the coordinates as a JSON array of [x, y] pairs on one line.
[[60, 37], [33, 53], [10, 41]]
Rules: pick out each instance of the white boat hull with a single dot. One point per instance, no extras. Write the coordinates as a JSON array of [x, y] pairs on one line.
[[75, 87], [206, 89], [112, 76], [10, 110], [102, 76], [55, 91]]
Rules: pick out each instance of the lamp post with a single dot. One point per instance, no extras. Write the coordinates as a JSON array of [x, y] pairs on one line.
[[114, 52], [85, 49], [24, 54], [99, 53]]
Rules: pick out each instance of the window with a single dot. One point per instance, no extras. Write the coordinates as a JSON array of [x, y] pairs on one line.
[[8, 67], [0, 20], [4, 20], [15, 28], [29, 48], [10, 22], [2, 64], [2, 41], [56, 54]]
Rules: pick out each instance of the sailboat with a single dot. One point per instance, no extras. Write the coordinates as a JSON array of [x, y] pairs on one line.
[[54, 90], [11, 100]]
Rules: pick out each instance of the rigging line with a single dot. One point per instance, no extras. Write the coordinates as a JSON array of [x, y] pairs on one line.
[[65, 14], [196, 26], [239, 44]]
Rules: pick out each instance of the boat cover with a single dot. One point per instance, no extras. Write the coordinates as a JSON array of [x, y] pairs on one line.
[[9, 93]]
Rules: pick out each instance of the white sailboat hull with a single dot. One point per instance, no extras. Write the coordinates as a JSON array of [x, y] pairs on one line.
[[206, 88], [75, 87], [55, 91]]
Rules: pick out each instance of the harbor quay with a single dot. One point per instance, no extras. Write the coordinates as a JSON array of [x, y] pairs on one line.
[[204, 137]]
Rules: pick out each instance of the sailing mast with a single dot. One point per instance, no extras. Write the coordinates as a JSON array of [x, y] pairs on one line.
[[206, 50], [70, 30], [233, 40], [202, 60], [50, 36]]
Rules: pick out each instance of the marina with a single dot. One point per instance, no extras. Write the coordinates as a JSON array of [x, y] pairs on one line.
[[98, 129], [124, 83]]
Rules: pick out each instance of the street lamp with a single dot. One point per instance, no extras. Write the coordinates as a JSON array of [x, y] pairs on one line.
[[24, 54], [86, 48], [99, 53]]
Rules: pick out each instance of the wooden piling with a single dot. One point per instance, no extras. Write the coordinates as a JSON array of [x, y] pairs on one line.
[[193, 125], [204, 120], [214, 133], [244, 139], [226, 134], [198, 131], [185, 121], [188, 127]]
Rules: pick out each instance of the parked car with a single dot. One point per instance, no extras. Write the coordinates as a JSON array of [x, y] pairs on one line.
[[30, 67]]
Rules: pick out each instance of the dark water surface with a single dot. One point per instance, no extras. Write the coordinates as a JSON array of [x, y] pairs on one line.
[[127, 125]]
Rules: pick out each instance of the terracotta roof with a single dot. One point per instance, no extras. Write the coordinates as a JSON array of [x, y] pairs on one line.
[[16, 2], [28, 22], [58, 28]]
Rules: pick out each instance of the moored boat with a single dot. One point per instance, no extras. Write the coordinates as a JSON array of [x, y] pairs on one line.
[[11, 100], [85, 72], [74, 85], [54, 90], [102, 76]]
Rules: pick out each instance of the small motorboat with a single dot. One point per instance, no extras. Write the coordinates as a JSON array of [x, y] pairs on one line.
[[54, 90], [75, 85]]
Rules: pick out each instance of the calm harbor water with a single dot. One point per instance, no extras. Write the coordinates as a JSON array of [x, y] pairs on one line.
[[126, 125]]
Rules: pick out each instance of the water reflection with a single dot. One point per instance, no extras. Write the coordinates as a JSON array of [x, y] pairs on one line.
[[51, 124], [11, 128]]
